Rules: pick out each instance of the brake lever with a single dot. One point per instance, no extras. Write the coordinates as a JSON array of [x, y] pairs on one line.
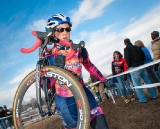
[[78, 46]]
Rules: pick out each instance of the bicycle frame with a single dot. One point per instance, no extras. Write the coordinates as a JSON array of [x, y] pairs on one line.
[[42, 62]]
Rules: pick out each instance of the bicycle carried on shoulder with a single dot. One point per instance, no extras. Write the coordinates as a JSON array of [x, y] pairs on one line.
[[33, 105]]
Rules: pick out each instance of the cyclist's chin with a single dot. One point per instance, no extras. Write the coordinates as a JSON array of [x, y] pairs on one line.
[[65, 39]]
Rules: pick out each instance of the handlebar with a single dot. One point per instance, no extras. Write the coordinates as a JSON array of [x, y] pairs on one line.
[[34, 47], [40, 37]]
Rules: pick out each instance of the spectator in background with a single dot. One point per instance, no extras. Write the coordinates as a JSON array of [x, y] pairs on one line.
[[114, 81], [94, 91], [119, 65], [156, 48], [99, 88], [135, 57], [150, 70], [92, 88], [130, 79], [2, 121], [155, 45], [8, 113]]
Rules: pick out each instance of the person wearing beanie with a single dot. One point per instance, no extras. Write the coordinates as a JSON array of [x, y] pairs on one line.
[[155, 45]]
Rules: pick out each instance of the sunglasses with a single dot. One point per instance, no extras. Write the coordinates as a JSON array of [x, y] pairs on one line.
[[68, 29]]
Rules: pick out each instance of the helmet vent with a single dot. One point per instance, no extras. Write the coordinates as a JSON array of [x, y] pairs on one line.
[[50, 24]]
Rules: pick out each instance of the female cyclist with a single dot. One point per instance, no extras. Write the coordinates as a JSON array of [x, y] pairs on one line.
[[62, 27]]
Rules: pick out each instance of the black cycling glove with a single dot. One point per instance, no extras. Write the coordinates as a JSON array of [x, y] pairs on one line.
[[60, 61]]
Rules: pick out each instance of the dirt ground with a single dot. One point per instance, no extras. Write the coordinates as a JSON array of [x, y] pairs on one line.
[[49, 123], [123, 116], [132, 115]]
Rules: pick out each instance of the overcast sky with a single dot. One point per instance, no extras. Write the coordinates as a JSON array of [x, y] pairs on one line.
[[102, 24]]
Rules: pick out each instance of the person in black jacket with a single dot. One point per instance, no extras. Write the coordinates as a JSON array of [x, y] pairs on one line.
[[133, 54], [2, 121], [135, 57]]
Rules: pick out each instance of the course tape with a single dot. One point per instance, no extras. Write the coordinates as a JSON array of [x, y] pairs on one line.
[[129, 71], [147, 86], [132, 70], [137, 68], [5, 117]]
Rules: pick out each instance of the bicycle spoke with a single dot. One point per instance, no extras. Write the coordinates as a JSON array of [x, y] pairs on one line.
[[39, 123]]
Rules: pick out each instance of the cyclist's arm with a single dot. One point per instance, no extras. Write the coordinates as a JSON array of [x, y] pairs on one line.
[[91, 68]]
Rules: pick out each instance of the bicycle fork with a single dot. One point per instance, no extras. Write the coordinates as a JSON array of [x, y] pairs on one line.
[[38, 91]]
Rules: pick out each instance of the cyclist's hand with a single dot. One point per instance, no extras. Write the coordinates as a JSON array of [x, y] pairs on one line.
[[53, 39]]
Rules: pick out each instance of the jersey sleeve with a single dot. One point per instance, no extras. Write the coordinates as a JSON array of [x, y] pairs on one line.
[[90, 67]]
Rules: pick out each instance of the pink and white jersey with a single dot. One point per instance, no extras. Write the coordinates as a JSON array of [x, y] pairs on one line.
[[74, 65]]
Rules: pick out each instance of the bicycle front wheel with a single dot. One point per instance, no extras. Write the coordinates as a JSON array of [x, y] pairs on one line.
[[25, 111]]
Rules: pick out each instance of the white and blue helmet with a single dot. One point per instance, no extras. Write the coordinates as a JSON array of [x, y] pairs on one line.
[[56, 20]]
